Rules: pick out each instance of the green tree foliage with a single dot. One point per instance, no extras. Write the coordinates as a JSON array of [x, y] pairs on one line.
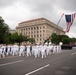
[[61, 38], [73, 39], [15, 38], [66, 40], [7, 39], [54, 38], [31, 40], [4, 30]]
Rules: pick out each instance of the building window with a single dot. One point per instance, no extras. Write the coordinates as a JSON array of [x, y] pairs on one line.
[[37, 35], [43, 30], [37, 27], [43, 27], [37, 31], [34, 35], [31, 28], [40, 27], [21, 29], [40, 35], [34, 28]]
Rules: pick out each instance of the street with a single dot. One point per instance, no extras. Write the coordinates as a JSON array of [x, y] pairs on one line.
[[63, 63]]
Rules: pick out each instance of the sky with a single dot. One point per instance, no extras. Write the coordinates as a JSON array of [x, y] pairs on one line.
[[16, 11]]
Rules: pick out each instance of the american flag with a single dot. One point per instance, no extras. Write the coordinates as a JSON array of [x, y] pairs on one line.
[[69, 20]]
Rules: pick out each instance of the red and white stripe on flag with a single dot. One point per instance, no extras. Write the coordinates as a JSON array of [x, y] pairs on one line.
[[73, 17], [68, 27], [69, 21]]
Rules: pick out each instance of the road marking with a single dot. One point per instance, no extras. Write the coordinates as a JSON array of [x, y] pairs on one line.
[[9, 57], [37, 69], [73, 53], [11, 63]]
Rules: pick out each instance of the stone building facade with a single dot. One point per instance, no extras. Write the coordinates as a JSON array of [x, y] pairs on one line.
[[40, 29]]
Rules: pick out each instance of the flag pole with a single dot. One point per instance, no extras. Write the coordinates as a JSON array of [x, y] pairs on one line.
[[58, 22], [60, 19]]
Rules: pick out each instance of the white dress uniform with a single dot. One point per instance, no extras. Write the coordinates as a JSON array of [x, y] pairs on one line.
[[8, 50], [12, 48], [16, 49], [3, 51], [47, 50], [50, 49], [55, 49], [33, 49], [39, 50], [59, 48], [0, 51], [28, 50], [43, 51], [60, 44], [21, 52], [36, 51]]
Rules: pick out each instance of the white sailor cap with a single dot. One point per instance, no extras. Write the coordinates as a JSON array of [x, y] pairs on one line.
[[49, 43], [60, 43]]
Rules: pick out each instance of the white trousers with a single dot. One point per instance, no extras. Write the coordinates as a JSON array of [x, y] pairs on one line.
[[43, 54]]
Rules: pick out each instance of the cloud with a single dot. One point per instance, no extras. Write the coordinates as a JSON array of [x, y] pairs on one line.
[[67, 4], [43, 8], [16, 11], [6, 3]]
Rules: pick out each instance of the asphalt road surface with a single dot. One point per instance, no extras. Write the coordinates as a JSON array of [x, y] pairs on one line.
[[63, 63]]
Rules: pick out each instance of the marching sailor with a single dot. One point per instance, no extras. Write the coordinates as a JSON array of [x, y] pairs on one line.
[[55, 49], [39, 49], [3, 50], [8, 49], [0, 51], [50, 48], [33, 48], [22, 49], [47, 48], [28, 50], [43, 51], [36, 51]]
